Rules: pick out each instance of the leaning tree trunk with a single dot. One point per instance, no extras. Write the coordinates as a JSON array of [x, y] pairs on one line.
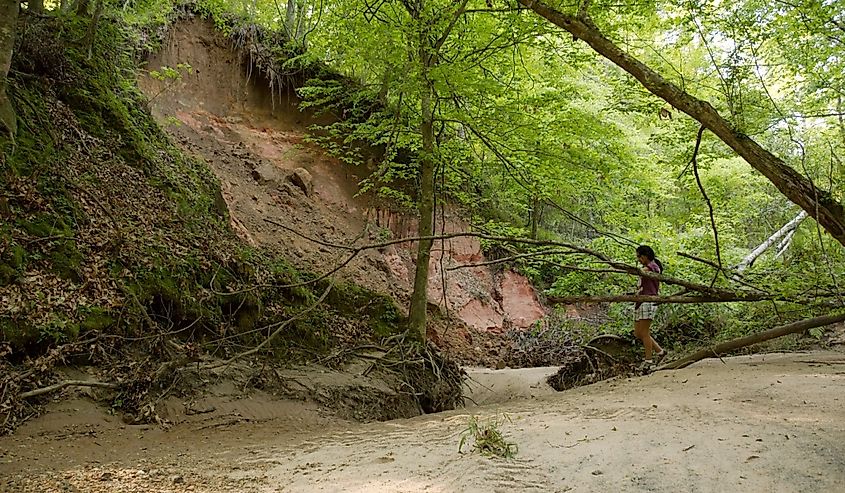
[[732, 345], [800, 190], [787, 228], [8, 27]]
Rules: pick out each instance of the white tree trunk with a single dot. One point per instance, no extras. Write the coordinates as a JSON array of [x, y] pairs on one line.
[[784, 243], [787, 229]]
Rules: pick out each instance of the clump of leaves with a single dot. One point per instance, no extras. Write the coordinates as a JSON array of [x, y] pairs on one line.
[[487, 439]]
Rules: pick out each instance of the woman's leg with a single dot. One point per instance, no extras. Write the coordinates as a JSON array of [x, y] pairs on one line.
[[641, 331], [656, 347]]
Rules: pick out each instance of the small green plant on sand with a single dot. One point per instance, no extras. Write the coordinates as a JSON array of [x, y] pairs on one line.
[[488, 440]]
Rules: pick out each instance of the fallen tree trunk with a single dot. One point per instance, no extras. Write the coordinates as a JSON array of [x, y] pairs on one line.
[[787, 228], [819, 204], [568, 300], [726, 347], [784, 243]]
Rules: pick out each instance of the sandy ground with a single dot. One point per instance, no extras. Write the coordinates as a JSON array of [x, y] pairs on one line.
[[761, 423]]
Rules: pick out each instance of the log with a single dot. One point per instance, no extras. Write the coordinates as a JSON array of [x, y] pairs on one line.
[[734, 344]]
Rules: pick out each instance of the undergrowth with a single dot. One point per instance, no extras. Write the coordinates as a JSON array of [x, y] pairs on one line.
[[115, 247]]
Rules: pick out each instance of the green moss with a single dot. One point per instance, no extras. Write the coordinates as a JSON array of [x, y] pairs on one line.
[[46, 225], [57, 330], [356, 302], [12, 263], [8, 274], [18, 257], [66, 260], [18, 334], [95, 318]]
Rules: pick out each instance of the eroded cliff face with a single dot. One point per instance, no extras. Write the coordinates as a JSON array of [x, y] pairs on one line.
[[282, 192]]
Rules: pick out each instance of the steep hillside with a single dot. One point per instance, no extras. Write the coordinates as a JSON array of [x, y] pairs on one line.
[[116, 257], [225, 111]]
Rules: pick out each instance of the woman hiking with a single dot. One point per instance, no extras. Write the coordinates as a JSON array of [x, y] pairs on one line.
[[644, 311]]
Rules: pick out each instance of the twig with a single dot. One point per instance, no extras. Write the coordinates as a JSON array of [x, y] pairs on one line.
[[734, 276], [515, 257]]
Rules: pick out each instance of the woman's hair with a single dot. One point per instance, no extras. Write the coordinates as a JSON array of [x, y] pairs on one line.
[[648, 252]]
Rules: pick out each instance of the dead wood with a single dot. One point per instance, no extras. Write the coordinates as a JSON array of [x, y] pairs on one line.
[[620, 268], [66, 383], [727, 297], [732, 345]]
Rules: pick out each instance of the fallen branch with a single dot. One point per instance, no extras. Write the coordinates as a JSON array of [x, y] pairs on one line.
[[726, 347], [822, 205], [66, 383], [568, 300], [623, 268]]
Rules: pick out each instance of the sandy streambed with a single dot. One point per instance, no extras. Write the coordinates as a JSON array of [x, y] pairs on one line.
[[761, 423]]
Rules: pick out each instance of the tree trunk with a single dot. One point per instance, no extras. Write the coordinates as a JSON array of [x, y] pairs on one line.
[[35, 6], [419, 298], [290, 19], [726, 347], [92, 28], [789, 227], [301, 26], [818, 203], [8, 27], [784, 243]]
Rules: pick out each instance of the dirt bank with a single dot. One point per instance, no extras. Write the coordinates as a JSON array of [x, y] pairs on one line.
[[253, 138], [757, 423]]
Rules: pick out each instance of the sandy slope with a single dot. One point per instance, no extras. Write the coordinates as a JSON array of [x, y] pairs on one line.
[[761, 423]]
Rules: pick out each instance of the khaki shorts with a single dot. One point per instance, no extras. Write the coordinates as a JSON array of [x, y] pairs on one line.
[[645, 311]]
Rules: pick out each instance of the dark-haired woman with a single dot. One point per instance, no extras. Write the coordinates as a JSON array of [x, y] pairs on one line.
[[644, 311]]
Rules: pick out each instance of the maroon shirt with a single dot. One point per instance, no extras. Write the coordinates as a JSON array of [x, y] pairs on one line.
[[646, 285]]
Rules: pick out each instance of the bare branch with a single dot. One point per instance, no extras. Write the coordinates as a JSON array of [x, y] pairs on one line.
[[621, 267], [568, 300], [66, 383], [694, 162]]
